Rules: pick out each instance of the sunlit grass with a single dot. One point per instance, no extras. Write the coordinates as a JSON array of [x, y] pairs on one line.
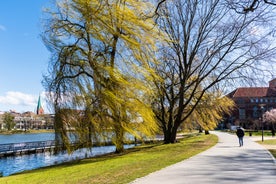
[[269, 142], [122, 168]]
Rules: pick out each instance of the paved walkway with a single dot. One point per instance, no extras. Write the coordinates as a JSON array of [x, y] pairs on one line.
[[226, 162]]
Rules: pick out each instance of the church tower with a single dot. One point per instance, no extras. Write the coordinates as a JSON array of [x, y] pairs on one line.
[[39, 108]]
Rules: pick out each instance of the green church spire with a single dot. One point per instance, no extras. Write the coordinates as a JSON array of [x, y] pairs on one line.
[[39, 109]]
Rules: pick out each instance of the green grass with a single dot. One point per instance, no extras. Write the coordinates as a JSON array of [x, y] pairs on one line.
[[118, 168], [269, 142], [273, 152], [253, 132], [259, 133]]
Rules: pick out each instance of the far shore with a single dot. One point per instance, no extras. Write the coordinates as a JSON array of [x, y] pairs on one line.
[[31, 131]]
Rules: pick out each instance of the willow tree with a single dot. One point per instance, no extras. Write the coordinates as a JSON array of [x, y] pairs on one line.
[[102, 51], [210, 111], [208, 43]]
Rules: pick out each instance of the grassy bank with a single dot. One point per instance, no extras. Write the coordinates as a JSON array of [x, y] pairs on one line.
[[115, 168]]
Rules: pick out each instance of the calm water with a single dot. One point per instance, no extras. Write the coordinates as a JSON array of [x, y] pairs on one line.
[[17, 138], [11, 165]]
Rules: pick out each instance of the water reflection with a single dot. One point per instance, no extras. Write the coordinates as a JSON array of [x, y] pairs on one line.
[[11, 165]]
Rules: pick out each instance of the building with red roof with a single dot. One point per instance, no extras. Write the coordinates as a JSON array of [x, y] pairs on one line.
[[251, 103]]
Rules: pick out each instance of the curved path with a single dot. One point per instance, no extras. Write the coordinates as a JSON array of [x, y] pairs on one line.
[[226, 162]]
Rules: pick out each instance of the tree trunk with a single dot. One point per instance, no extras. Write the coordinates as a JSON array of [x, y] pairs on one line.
[[119, 147], [119, 139], [89, 136], [167, 135], [170, 135], [200, 130]]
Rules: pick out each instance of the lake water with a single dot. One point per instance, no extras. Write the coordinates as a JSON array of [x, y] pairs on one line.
[[18, 138], [15, 164]]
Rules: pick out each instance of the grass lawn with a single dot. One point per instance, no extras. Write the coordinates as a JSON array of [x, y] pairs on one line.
[[269, 142], [259, 133], [118, 168]]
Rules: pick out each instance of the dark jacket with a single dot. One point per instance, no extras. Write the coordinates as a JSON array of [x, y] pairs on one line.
[[240, 132]]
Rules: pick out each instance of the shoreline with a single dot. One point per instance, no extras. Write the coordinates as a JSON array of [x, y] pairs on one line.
[[27, 132]]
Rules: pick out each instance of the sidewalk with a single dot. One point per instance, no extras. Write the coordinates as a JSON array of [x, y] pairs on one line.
[[226, 162]]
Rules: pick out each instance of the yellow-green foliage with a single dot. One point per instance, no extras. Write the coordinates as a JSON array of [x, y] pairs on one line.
[[104, 50], [211, 109]]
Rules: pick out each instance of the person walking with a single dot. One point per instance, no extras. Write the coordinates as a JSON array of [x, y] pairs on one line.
[[240, 134]]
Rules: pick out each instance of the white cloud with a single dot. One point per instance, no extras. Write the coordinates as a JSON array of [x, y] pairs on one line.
[[18, 101], [2, 28]]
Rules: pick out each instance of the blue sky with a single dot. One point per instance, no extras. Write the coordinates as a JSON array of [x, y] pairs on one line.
[[23, 56]]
